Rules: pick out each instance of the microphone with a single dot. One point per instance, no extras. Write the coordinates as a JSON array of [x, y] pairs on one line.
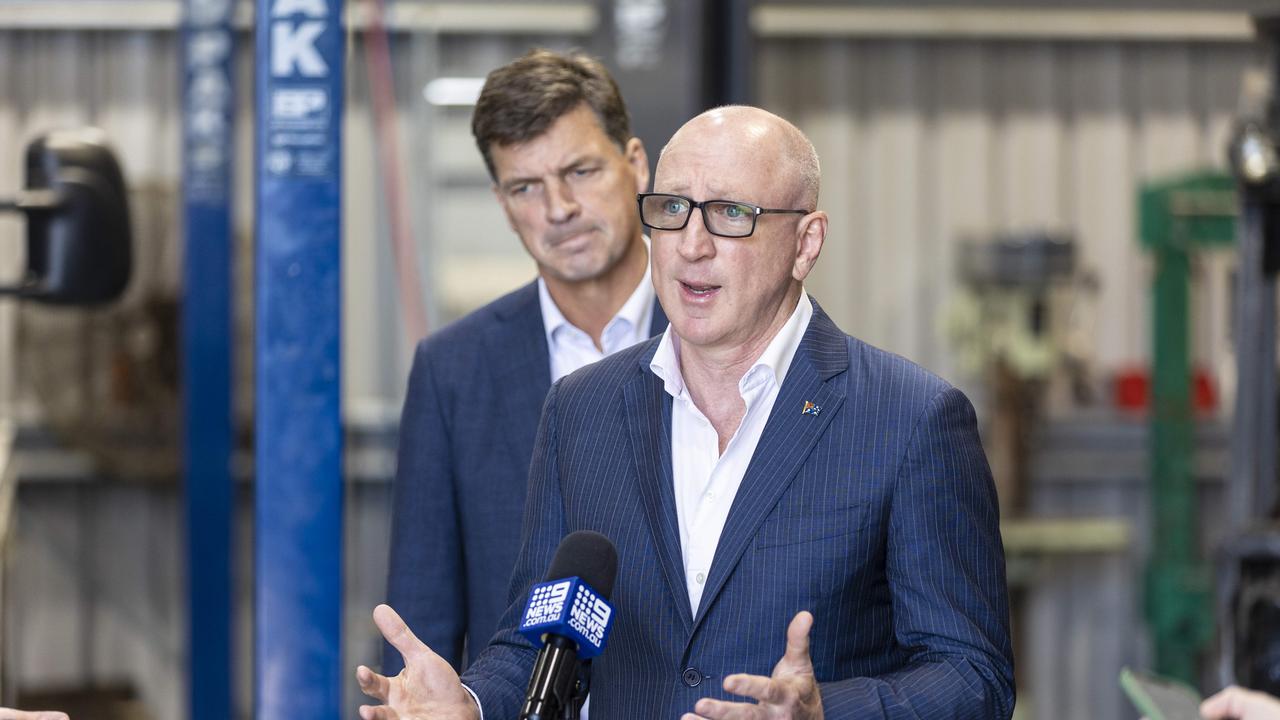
[[568, 616]]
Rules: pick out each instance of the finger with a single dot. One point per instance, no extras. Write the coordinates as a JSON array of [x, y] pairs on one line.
[[798, 638], [379, 712], [1228, 704], [1212, 708], [372, 684], [10, 714], [1217, 706], [759, 687], [721, 710], [394, 629]]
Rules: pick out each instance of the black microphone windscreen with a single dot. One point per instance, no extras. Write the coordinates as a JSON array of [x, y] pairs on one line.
[[587, 555]]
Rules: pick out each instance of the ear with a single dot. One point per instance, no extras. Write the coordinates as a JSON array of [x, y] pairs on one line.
[[638, 161], [811, 233]]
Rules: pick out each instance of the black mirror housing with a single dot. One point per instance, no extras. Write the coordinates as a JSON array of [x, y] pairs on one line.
[[79, 249]]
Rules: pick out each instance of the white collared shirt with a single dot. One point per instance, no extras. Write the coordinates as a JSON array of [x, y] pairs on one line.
[[571, 347], [706, 481]]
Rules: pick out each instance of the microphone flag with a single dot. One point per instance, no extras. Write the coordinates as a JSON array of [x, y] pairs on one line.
[[570, 608]]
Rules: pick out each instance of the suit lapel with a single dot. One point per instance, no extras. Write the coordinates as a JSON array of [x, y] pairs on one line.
[[517, 344], [789, 437], [523, 368], [649, 425]]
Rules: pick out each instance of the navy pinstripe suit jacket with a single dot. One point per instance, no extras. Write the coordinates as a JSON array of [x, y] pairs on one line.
[[878, 515], [466, 436]]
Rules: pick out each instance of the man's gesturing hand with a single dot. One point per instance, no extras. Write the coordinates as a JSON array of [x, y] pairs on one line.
[[426, 689], [11, 714], [791, 693], [1236, 703]]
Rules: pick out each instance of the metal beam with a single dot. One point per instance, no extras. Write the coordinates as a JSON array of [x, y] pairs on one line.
[[1066, 536], [458, 18], [208, 102], [1013, 23], [298, 471], [8, 488]]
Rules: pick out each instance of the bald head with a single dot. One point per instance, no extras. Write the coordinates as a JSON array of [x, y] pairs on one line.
[[727, 298], [759, 140]]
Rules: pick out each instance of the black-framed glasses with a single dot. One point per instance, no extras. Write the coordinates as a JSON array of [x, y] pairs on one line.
[[726, 218]]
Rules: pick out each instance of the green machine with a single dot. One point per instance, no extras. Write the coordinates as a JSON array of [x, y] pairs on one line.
[[1178, 217]]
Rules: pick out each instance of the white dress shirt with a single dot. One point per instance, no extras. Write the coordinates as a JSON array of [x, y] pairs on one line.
[[706, 481], [571, 347]]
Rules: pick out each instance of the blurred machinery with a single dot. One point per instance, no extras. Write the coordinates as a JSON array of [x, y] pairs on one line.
[[1248, 600], [104, 379], [98, 355], [1012, 325], [78, 231], [1177, 218], [79, 249]]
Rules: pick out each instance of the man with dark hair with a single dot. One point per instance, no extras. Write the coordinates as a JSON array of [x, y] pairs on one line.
[[556, 139], [521, 100], [806, 525]]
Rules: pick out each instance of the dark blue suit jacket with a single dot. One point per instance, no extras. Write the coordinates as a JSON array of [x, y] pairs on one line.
[[878, 514], [466, 436]]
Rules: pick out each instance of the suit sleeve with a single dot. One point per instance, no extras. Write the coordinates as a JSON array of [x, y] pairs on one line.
[[500, 676], [426, 577], [945, 568]]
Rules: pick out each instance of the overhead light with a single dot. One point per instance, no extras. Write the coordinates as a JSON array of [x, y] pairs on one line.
[[453, 91]]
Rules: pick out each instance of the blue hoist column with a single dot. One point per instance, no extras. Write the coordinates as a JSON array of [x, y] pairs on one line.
[[298, 469], [208, 99]]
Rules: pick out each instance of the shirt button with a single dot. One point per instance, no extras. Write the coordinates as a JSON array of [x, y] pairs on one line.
[[700, 577], [691, 677]]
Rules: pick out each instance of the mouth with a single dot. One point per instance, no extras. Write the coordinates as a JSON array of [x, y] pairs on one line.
[[570, 238], [698, 290]]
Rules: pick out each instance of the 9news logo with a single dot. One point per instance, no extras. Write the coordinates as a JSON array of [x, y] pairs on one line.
[[571, 609], [590, 615], [547, 603]]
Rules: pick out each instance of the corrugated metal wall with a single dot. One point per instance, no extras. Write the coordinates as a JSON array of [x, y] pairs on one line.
[[925, 142]]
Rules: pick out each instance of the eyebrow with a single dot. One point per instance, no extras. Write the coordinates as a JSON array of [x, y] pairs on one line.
[[713, 193], [584, 159]]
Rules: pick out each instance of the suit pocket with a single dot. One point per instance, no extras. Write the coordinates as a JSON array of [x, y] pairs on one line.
[[798, 527]]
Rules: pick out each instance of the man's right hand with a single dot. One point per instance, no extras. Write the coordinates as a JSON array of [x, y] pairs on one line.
[[10, 714], [426, 689], [1236, 703]]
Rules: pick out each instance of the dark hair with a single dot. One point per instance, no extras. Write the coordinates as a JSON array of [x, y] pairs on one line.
[[521, 99]]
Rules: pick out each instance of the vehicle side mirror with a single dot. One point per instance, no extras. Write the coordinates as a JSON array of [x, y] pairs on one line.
[[78, 231]]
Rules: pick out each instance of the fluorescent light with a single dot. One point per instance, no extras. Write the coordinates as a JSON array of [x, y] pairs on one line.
[[453, 91]]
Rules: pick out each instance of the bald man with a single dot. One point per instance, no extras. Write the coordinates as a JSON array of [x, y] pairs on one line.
[[806, 525]]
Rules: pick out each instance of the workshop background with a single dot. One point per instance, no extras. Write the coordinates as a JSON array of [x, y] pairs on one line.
[[984, 169]]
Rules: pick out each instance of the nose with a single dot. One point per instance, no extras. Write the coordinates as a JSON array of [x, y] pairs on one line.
[[695, 243], [561, 206]]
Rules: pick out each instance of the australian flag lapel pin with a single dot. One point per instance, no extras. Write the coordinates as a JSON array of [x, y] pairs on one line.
[[810, 409]]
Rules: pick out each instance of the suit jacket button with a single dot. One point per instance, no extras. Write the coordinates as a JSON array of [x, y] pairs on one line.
[[691, 677]]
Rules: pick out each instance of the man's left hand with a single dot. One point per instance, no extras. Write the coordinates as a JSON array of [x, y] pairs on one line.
[[791, 693]]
